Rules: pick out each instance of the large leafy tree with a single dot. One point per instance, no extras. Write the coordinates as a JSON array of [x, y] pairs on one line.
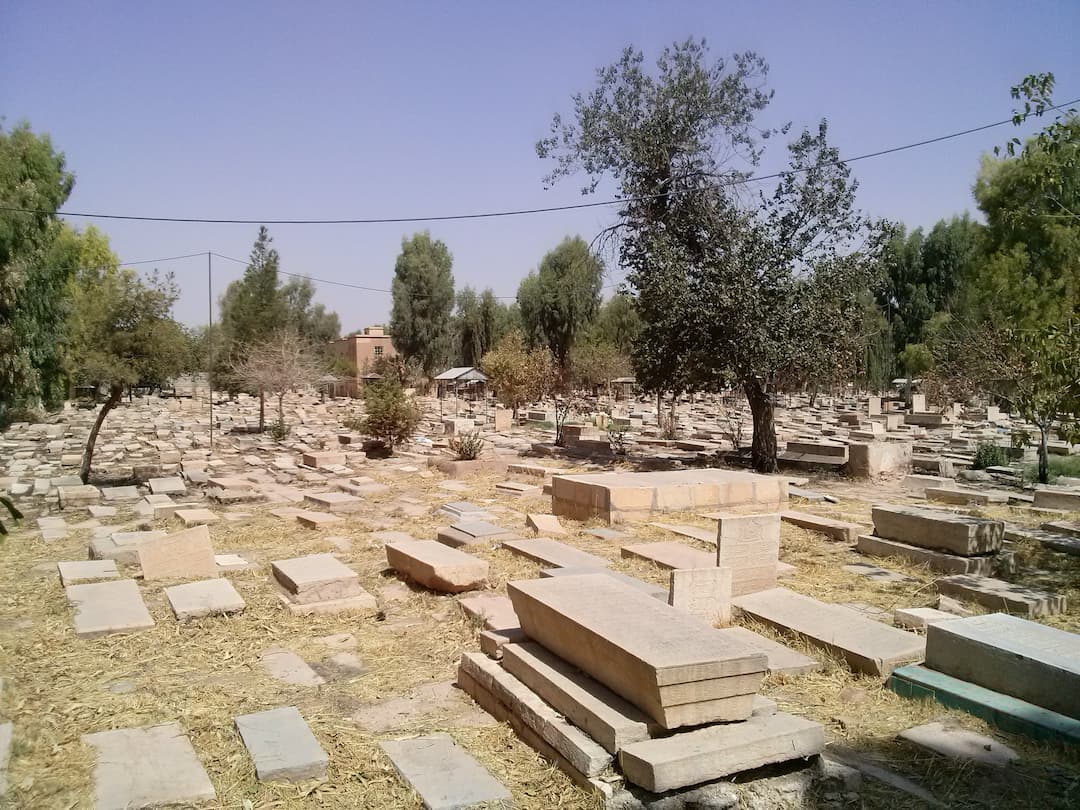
[[33, 297], [312, 322], [560, 299], [617, 323], [519, 375], [423, 301], [759, 291], [252, 307]]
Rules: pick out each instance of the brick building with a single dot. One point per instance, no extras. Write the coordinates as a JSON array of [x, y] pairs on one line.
[[362, 350]]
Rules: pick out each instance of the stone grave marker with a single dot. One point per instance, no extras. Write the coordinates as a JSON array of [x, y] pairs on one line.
[[702, 592], [113, 606], [750, 546], [210, 597], [187, 554], [282, 746], [444, 775]]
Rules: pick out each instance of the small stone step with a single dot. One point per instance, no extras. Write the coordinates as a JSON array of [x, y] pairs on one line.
[[670, 554], [830, 527], [996, 594], [936, 560], [282, 746], [444, 775]]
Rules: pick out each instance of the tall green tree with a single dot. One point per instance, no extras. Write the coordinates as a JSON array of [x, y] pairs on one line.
[[33, 288], [312, 322], [423, 302], [559, 300], [252, 307], [617, 323]]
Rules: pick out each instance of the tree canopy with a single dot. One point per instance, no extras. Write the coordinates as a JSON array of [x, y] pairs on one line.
[[423, 301]]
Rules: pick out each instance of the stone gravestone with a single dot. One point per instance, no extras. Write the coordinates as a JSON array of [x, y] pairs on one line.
[[749, 545], [182, 555], [702, 592]]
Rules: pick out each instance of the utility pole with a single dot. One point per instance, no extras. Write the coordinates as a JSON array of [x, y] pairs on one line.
[[210, 340]]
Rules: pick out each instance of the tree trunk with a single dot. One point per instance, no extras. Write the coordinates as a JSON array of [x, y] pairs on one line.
[[763, 446], [115, 392], [1044, 458], [281, 413], [262, 410]]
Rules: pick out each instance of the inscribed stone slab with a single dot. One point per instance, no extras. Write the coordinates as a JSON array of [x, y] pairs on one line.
[[182, 555], [444, 775], [113, 606], [282, 746], [702, 592], [210, 597], [750, 546], [147, 767]]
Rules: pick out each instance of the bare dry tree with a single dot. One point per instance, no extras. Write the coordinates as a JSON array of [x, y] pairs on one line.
[[283, 363]]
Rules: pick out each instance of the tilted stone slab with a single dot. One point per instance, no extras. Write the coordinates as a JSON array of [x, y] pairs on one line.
[[868, 646], [444, 775], [553, 553], [959, 743], [211, 597], [282, 746], [639, 647], [316, 578], [622, 497], [149, 766], [494, 611], [588, 704], [334, 501], [1027, 660], [580, 750], [78, 495], [830, 527], [545, 524], [1068, 500], [113, 606], [996, 594], [167, 486], [437, 566], [936, 560], [936, 529], [181, 555], [1069, 527], [670, 554], [703, 755], [962, 497]]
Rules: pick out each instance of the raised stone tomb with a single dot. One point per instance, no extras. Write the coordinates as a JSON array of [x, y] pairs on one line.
[[670, 666], [996, 594], [437, 566], [874, 546], [936, 529]]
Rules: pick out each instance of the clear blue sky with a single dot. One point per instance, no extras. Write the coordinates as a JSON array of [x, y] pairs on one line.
[[346, 109]]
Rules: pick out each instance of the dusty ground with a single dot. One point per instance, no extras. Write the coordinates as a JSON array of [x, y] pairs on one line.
[[204, 673]]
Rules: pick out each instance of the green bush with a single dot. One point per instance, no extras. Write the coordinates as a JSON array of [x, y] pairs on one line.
[[467, 446], [391, 416], [989, 455]]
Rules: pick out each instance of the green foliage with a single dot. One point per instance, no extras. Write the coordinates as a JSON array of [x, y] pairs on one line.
[[1019, 439], [1057, 467], [423, 300], [559, 300], [467, 446], [915, 359], [252, 307], [518, 375], [617, 323], [595, 363], [311, 321], [33, 282], [988, 454], [479, 322], [391, 416]]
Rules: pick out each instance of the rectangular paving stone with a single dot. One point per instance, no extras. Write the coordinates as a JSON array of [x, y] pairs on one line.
[[750, 546], [437, 566], [149, 766], [444, 775], [936, 560], [210, 597], [181, 555], [867, 645], [706, 754], [76, 571], [113, 606], [830, 527], [1024, 659], [996, 594], [554, 554], [316, 578], [282, 746], [937, 529], [670, 554], [669, 665]]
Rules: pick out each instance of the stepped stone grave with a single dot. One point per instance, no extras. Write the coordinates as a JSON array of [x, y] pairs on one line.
[[669, 554], [1024, 659], [781, 659], [76, 571], [836, 529], [702, 592], [149, 766], [868, 646], [473, 533], [335, 502], [655, 591], [196, 517], [997, 594], [959, 743], [874, 546], [320, 583], [676, 669], [619, 497], [437, 566], [702, 755], [210, 597], [553, 553], [443, 774], [113, 606], [607, 718], [182, 555], [282, 746], [935, 529], [750, 546]]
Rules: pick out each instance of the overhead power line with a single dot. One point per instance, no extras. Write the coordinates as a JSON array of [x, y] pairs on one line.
[[510, 212]]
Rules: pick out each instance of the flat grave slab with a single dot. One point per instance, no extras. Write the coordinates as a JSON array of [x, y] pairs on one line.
[[334, 502], [670, 554], [830, 527], [463, 510], [545, 525], [936, 560], [186, 554], [196, 517], [167, 486], [288, 667], [1024, 659], [113, 606], [437, 566], [996, 594], [875, 573], [316, 520], [472, 533], [316, 578], [938, 529], [113, 494], [655, 591], [518, 489], [553, 553], [693, 532], [76, 571], [867, 645], [444, 775], [621, 497], [147, 767], [80, 495], [959, 743], [675, 668], [706, 754], [282, 746], [961, 497], [210, 597], [781, 659]]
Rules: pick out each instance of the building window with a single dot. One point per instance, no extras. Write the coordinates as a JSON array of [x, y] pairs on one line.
[[378, 351]]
